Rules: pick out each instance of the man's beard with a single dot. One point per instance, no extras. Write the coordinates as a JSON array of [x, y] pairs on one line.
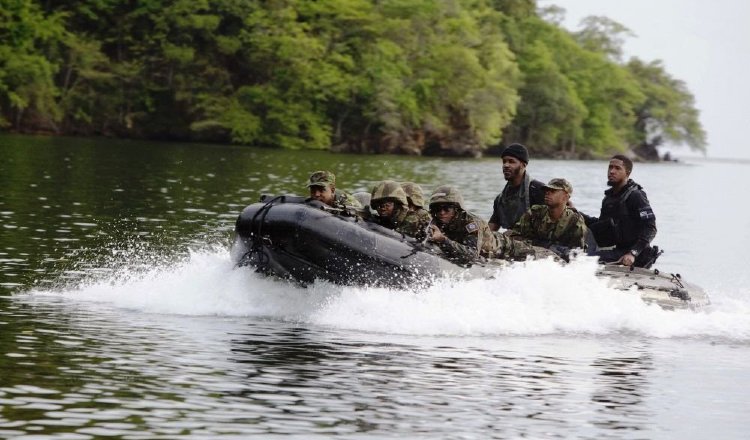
[[610, 183], [511, 174]]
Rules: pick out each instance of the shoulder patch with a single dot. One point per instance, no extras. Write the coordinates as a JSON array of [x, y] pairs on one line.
[[472, 227], [646, 214]]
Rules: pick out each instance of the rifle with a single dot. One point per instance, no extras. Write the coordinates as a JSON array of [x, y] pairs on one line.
[[427, 232]]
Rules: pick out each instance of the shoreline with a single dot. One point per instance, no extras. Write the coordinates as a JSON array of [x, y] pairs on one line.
[[490, 152]]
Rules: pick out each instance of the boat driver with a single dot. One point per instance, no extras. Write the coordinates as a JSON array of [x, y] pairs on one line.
[[322, 186], [627, 223]]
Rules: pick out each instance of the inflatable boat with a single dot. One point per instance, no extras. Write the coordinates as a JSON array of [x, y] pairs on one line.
[[304, 240]]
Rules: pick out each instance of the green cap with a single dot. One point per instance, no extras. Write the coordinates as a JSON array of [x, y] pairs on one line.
[[560, 184], [322, 178]]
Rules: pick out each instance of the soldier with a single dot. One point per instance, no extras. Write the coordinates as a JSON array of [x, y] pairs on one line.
[[322, 185], [520, 193], [627, 221], [392, 206], [415, 196], [553, 225], [461, 235]]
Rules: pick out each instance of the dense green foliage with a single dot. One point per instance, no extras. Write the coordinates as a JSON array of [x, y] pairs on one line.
[[409, 76]]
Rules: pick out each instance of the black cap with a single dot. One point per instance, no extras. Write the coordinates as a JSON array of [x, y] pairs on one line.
[[518, 151]]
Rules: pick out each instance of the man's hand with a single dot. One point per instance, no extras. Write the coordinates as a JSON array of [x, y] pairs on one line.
[[627, 259], [436, 235]]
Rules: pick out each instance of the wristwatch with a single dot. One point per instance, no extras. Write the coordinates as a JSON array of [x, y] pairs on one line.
[[634, 252]]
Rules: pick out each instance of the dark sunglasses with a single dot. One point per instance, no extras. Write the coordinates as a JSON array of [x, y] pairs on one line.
[[441, 208]]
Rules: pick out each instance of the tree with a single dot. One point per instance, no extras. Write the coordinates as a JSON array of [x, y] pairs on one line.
[[668, 113], [27, 89], [446, 77], [604, 35], [550, 112], [574, 101], [455, 85]]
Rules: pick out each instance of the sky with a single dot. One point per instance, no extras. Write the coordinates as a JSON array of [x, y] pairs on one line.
[[706, 44]]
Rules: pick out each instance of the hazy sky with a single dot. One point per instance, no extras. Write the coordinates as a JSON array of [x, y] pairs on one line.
[[706, 44]]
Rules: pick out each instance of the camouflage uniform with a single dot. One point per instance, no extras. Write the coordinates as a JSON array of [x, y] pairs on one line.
[[509, 248], [341, 200], [415, 197], [537, 226], [402, 220], [468, 237], [405, 222], [424, 216]]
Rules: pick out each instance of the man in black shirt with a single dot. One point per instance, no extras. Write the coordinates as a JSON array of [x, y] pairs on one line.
[[520, 193], [627, 221]]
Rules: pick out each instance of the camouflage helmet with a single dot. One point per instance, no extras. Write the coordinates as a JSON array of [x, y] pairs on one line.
[[414, 193], [388, 189], [447, 194], [322, 178]]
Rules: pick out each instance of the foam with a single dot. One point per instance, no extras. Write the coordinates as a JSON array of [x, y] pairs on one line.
[[533, 298]]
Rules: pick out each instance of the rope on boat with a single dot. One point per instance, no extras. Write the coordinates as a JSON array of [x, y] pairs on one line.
[[256, 250]]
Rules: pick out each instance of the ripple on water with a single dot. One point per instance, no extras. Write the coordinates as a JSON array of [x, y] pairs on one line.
[[143, 347]]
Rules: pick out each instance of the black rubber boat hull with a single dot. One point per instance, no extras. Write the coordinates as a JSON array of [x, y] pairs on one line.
[[302, 240]]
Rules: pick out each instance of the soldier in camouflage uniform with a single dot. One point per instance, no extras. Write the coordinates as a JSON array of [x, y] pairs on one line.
[[462, 236], [415, 196], [553, 225], [513, 249], [392, 206], [322, 185]]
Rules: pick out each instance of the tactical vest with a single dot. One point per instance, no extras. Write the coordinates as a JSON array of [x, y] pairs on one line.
[[618, 227], [524, 193]]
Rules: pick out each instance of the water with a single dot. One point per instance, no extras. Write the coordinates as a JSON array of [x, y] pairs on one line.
[[122, 316]]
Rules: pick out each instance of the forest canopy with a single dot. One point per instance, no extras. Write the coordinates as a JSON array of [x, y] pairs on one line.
[[442, 77]]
